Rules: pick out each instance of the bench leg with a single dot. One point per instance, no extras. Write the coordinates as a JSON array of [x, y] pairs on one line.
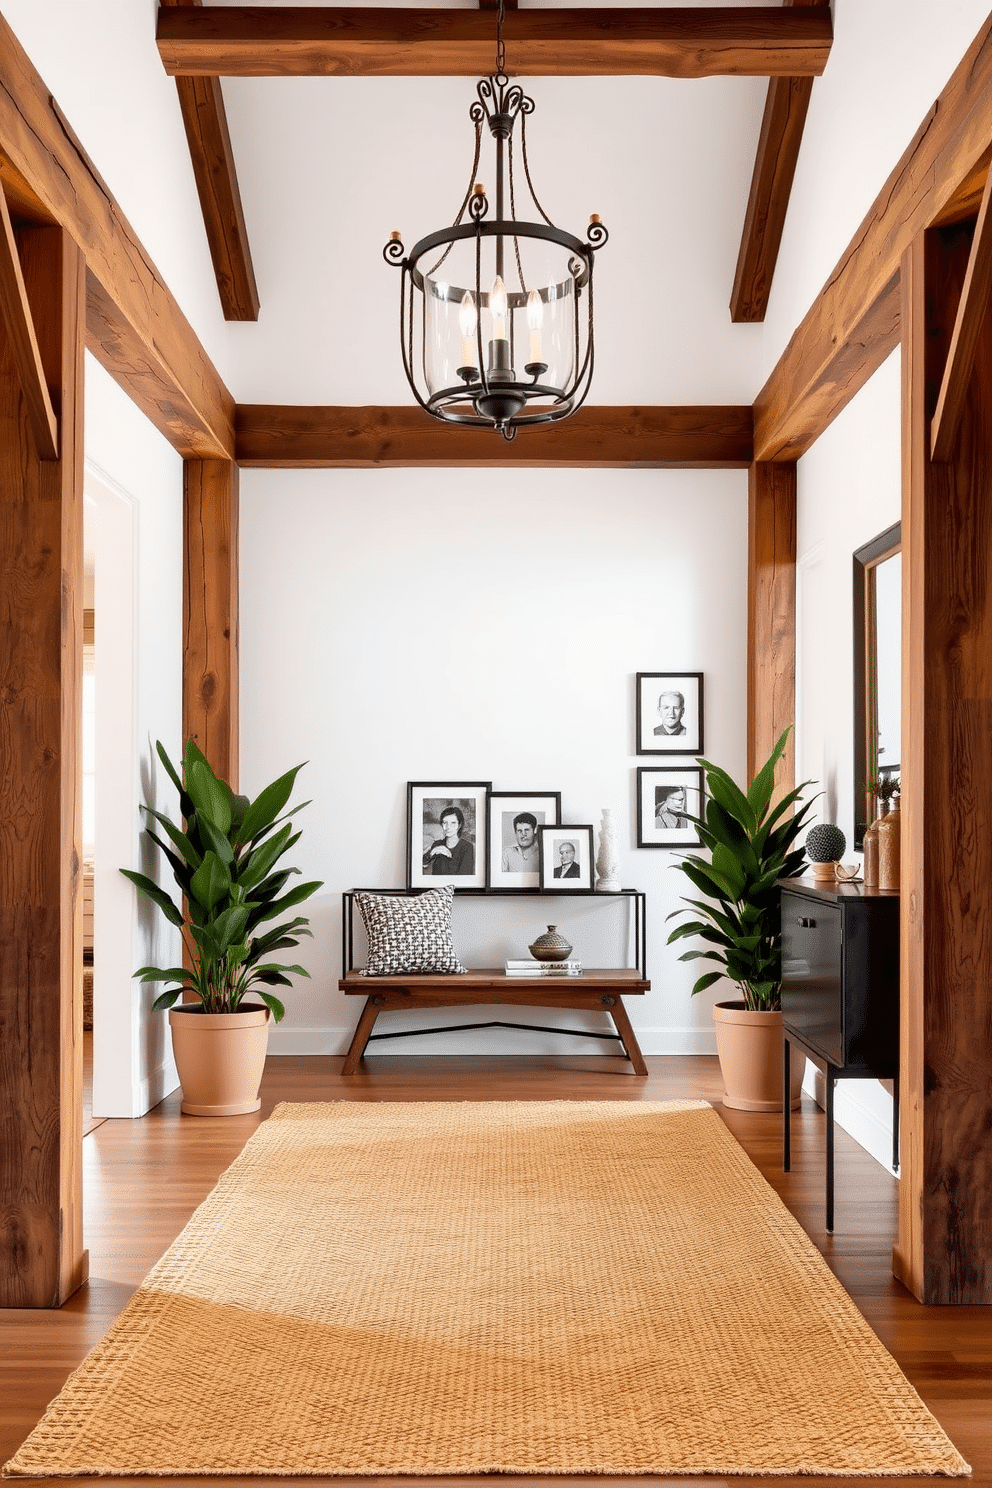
[[361, 1036], [622, 1023]]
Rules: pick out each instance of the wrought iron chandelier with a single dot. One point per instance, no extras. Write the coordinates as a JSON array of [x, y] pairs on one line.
[[482, 297]]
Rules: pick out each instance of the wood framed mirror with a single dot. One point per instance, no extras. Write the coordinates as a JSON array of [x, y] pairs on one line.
[[877, 671]]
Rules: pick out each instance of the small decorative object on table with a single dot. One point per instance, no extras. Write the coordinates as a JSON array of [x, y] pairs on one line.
[[847, 872], [550, 946], [606, 861], [889, 840], [825, 844]]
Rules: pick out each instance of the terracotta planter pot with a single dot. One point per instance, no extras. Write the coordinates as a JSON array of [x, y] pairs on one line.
[[750, 1046], [220, 1058]]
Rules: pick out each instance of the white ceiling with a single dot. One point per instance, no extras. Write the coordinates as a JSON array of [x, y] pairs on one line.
[[328, 166]]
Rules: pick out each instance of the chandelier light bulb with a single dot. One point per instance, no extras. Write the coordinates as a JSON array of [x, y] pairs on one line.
[[468, 320], [535, 320], [498, 308]]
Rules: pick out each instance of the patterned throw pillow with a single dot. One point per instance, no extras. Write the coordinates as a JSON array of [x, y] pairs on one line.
[[410, 935]]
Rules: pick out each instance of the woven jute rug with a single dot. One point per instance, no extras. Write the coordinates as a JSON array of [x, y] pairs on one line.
[[521, 1287]]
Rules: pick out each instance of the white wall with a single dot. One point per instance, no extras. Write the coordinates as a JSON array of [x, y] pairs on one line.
[[889, 61], [134, 506], [849, 491], [482, 625]]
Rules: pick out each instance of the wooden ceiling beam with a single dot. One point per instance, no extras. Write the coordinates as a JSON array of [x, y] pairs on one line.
[[303, 40], [781, 135], [972, 313], [286, 437], [25, 352], [205, 122], [854, 322], [134, 326]]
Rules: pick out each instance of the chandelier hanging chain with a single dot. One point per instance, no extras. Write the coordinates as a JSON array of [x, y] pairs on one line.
[[530, 183], [468, 194], [513, 216], [500, 46]]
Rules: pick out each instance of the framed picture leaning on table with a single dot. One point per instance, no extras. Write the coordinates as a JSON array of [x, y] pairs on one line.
[[566, 859], [515, 818], [446, 833]]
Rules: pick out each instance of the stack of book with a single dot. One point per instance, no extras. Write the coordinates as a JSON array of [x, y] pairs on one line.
[[531, 967]]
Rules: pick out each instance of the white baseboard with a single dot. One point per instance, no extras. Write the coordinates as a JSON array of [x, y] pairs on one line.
[[653, 1041], [157, 1085], [862, 1108]]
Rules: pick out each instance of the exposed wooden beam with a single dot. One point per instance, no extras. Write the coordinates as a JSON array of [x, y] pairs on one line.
[[284, 437], [134, 325], [210, 611], [771, 185], [972, 315], [853, 323], [42, 1260], [302, 40], [24, 343], [771, 618], [205, 122], [944, 1250]]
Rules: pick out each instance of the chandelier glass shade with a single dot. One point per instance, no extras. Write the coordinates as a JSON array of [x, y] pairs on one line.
[[496, 311]]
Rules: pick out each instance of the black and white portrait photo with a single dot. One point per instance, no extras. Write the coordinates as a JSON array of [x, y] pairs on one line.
[[446, 830], [566, 858], [669, 712], [666, 800], [514, 852]]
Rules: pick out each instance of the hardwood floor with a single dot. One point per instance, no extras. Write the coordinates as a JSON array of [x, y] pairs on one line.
[[144, 1178]]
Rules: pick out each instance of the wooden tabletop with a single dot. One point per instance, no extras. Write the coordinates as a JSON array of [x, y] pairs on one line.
[[624, 979]]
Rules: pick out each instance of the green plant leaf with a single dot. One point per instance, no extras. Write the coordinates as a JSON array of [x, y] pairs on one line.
[[295, 896], [210, 797], [254, 867], [178, 838], [211, 881], [267, 805], [706, 981], [157, 895], [730, 795], [185, 804], [229, 928], [166, 999], [215, 840], [162, 974], [181, 871], [273, 1004]]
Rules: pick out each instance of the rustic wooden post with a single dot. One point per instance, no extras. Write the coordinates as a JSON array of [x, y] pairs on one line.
[[771, 616], [42, 1260], [944, 1251], [210, 612]]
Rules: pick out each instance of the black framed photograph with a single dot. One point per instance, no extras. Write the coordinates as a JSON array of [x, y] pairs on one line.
[[566, 859], [669, 712], [514, 850], [446, 833], [666, 797]]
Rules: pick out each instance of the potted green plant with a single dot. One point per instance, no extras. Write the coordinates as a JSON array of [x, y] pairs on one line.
[[752, 852], [225, 859]]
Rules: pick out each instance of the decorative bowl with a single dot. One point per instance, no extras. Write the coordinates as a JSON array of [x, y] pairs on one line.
[[550, 946]]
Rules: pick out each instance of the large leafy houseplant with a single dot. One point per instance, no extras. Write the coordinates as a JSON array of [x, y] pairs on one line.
[[752, 851], [224, 859]]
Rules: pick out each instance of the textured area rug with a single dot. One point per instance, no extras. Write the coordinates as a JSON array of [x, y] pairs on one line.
[[521, 1287]]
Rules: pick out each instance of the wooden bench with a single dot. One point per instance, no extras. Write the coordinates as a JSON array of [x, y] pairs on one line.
[[599, 991]]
